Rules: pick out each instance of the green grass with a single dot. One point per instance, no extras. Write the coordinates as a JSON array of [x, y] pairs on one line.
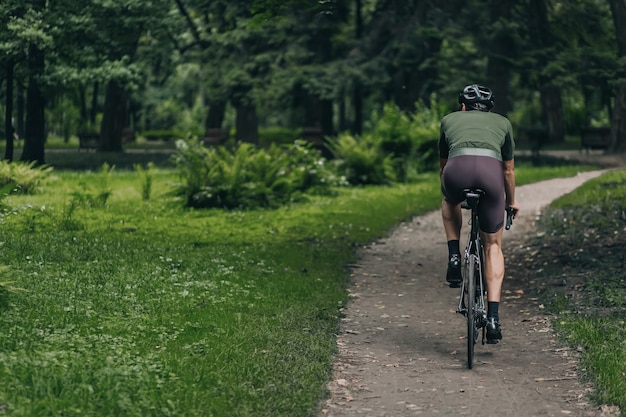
[[126, 306], [583, 246], [528, 174], [603, 341], [143, 308]]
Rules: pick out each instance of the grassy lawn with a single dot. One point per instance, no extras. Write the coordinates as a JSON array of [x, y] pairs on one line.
[[111, 304]]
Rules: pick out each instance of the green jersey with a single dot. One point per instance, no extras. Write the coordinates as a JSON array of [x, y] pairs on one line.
[[477, 130]]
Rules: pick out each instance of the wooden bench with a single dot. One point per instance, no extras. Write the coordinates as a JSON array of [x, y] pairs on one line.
[[595, 138], [532, 138], [315, 135], [215, 136], [88, 141]]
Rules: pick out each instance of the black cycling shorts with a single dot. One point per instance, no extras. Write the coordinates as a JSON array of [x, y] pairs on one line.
[[484, 172]]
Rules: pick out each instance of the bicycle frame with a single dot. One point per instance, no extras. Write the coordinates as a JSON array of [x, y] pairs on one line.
[[473, 286]]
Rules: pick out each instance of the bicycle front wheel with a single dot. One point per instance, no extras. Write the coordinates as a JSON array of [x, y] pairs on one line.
[[472, 331]]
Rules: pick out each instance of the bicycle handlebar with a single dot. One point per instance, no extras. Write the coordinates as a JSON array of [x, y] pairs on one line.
[[509, 217]]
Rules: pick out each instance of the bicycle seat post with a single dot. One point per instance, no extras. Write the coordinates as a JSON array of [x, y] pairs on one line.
[[472, 200]]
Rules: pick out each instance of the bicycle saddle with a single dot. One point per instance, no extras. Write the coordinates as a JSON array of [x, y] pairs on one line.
[[472, 196]]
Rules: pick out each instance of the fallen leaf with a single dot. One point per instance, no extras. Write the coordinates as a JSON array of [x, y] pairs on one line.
[[342, 382]]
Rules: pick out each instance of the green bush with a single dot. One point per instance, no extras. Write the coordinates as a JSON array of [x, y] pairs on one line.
[[398, 147], [361, 160], [249, 177]]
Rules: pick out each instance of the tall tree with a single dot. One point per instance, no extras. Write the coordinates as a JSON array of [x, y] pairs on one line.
[[228, 49], [546, 48], [501, 53], [121, 25], [8, 114], [618, 122], [12, 47], [35, 132]]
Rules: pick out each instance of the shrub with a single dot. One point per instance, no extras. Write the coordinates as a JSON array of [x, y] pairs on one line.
[[397, 148], [408, 137], [361, 160], [248, 176]]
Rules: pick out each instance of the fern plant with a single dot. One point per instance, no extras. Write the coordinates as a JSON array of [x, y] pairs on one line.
[[94, 195], [361, 160], [146, 176], [23, 177], [410, 137], [247, 176]]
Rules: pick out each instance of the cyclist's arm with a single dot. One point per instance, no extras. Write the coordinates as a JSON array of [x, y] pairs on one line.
[[443, 152], [509, 184], [442, 164]]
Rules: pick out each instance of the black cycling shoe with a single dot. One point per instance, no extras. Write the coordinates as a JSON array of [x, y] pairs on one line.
[[494, 334], [453, 276]]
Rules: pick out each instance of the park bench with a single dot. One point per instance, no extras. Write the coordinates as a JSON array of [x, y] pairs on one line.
[[315, 135], [215, 136], [595, 138], [88, 141], [532, 138]]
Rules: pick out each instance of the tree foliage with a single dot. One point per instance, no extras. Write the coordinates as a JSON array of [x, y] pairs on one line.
[[193, 64]]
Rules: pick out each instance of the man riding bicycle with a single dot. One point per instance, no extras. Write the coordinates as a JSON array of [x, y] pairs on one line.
[[476, 150]]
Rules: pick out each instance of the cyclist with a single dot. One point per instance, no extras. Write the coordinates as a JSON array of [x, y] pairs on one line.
[[476, 150]]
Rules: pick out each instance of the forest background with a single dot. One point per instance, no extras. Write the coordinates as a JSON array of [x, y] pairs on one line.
[[281, 69]]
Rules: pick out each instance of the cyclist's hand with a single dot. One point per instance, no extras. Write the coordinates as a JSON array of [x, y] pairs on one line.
[[513, 209], [511, 213]]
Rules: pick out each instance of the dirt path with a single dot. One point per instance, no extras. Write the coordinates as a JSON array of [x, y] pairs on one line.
[[402, 350]]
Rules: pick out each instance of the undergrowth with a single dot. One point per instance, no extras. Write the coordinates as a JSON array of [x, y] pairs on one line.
[[579, 261]]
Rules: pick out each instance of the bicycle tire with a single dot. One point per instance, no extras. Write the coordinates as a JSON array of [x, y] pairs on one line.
[[471, 319]]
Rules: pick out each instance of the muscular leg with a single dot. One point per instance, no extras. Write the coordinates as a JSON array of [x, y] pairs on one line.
[[494, 260], [452, 220]]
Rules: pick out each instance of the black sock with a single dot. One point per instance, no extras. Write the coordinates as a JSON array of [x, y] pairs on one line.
[[453, 248], [492, 309]]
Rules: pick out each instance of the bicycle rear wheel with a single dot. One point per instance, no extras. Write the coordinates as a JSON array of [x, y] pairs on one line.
[[472, 331]]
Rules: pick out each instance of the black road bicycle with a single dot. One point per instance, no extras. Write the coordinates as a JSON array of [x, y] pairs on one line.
[[473, 289]]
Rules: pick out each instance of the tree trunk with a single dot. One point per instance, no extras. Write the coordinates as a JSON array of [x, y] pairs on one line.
[[553, 111], [247, 124], [357, 98], [215, 114], [94, 104], [20, 110], [498, 66], [357, 93], [319, 113], [544, 41], [34, 135], [326, 117], [114, 119], [343, 118], [84, 117], [8, 114], [618, 122]]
